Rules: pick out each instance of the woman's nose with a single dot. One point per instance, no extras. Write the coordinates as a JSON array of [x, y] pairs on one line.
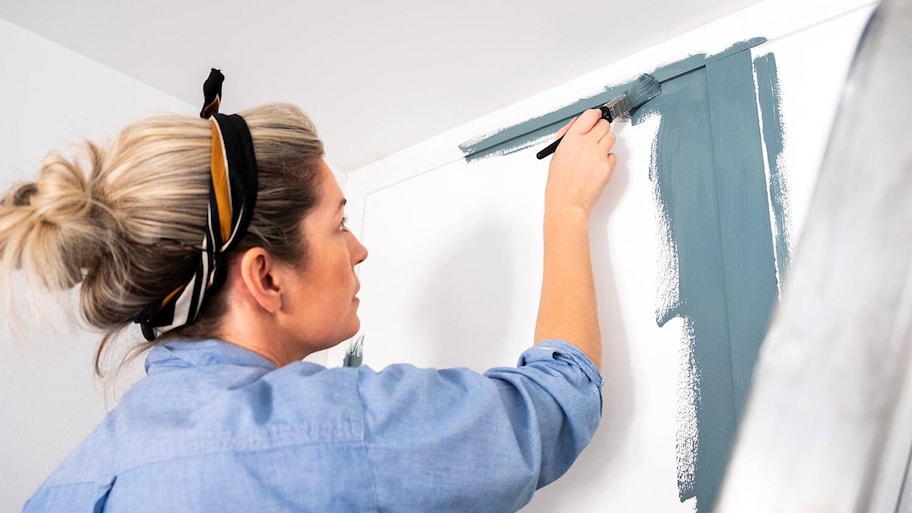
[[358, 251]]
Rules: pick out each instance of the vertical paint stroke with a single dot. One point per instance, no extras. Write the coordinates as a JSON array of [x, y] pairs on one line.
[[668, 302], [769, 102], [710, 181], [687, 439], [749, 268], [717, 268], [684, 177]]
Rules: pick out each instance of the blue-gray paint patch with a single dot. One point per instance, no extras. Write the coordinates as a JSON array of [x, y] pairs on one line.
[[711, 187], [684, 176]]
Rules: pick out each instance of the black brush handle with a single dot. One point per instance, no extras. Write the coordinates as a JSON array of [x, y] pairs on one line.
[[551, 148]]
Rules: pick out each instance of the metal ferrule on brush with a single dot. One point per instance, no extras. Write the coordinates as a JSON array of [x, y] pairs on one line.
[[644, 89], [616, 108]]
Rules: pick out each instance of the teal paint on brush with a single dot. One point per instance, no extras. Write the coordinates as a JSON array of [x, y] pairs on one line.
[[528, 133], [770, 107]]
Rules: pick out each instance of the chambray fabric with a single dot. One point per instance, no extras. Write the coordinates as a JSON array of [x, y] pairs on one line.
[[216, 428]]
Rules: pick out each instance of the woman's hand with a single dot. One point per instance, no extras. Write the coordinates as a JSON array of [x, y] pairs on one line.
[[582, 164]]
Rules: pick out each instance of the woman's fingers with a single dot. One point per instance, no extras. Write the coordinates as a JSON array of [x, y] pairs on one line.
[[602, 131], [607, 140], [581, 124], [586, 122], [563, 130]]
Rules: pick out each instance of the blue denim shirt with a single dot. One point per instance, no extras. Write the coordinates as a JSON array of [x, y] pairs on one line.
[[215, 427]]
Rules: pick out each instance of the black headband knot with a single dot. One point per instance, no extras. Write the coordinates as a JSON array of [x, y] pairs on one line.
[[232, 197], [212, 93]]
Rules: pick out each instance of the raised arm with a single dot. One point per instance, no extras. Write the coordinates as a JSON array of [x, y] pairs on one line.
[[578, 173]]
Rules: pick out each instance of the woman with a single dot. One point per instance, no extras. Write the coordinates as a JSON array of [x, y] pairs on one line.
[[225, 240]]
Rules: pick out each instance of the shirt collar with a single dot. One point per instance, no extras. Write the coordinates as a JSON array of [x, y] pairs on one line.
[[202, 353]]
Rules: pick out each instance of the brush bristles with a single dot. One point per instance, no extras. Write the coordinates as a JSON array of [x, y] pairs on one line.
[[618, 108], [644, 89]]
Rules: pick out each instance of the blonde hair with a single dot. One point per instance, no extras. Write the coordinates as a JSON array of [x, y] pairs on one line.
[[128, 227]]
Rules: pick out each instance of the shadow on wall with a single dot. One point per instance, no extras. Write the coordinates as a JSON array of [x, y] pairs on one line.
[[590, 473]]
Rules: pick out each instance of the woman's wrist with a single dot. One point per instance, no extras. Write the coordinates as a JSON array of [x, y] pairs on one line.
[[567, 213]]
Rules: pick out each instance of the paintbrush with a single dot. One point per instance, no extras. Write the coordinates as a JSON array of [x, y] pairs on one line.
[[643, 89]]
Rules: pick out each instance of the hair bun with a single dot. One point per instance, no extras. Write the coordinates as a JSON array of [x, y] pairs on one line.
[[20, 196], [50, 227]]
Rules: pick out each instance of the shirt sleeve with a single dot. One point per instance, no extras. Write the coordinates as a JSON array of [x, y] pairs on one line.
[[457, 440]]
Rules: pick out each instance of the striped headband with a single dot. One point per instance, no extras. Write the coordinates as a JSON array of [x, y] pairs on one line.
[[232, 196]]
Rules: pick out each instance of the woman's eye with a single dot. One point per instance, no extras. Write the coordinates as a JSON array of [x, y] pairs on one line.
[[342, 225]]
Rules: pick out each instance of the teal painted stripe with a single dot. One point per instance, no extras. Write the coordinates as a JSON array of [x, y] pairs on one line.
[[773, 138], [708, 169], [683, 173], [747, 239], [522, 135]]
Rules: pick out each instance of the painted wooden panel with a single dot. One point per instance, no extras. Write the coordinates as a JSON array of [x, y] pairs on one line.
[[688, 244]]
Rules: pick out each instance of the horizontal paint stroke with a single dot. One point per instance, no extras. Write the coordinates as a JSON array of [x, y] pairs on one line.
[[523, 135]]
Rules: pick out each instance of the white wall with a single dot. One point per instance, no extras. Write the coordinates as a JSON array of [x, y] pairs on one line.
[[49, 399], [454, 270]]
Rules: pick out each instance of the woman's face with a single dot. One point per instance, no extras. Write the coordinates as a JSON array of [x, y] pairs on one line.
[[323, 298]]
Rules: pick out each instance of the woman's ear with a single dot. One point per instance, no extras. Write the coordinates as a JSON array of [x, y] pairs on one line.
[[259, 275]]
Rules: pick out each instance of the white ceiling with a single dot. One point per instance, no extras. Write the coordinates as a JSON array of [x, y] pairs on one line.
[[376, 76]]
